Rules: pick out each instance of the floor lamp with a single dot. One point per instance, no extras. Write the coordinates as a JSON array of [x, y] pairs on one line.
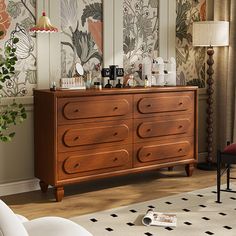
[[210, 34]]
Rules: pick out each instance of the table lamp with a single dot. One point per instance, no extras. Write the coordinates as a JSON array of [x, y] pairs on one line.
[[210, 34]]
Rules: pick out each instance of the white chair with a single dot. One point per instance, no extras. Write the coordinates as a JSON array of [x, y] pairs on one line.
[[17, 225]]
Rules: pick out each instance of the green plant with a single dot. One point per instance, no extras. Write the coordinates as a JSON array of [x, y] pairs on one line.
[[14, 113]]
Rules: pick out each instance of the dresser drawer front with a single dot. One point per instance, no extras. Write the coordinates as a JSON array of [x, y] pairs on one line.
[[96, 135], [75, 137], [167, 127], [72, 110], [76, 164], [161, 152], [153, 104]]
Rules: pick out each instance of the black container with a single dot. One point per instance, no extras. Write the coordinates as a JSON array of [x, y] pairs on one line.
[[119, 85], [108, 85]]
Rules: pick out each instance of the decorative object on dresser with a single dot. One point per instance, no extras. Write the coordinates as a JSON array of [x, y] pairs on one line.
[[210, 34], [85, 135]]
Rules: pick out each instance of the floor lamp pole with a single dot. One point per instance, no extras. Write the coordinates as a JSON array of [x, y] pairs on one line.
[[209, 165]]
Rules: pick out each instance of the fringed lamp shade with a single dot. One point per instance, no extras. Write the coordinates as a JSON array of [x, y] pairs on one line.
[[44, 25]]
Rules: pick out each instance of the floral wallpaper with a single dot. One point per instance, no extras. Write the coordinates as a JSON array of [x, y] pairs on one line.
[[81, 23], [140, 31], [190, 60], [16, 18]]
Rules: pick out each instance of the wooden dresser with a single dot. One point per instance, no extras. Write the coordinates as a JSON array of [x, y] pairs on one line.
[[85, 135]]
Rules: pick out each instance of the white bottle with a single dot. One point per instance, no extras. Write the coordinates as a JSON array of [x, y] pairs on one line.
[[146, 67]]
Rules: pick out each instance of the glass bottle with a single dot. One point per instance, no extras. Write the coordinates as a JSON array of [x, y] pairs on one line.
[[108, 85], [119, 85]]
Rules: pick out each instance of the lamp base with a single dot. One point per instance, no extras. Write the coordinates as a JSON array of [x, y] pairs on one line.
[[207, 166]]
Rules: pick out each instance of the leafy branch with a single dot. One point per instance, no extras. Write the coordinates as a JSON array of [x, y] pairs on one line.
[[14, 113]]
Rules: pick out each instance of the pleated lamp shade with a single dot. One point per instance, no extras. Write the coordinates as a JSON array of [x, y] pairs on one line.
[[44, 25], [211, 33]]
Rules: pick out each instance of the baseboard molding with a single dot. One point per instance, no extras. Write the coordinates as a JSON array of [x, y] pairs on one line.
[[33, 184], [19, 187]]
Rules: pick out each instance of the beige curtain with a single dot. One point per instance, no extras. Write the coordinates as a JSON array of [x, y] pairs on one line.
[[225, 77]]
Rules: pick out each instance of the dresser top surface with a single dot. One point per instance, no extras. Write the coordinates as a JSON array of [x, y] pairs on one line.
[[114, 91]]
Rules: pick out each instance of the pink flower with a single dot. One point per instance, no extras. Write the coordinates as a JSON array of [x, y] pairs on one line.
[[5, 19]]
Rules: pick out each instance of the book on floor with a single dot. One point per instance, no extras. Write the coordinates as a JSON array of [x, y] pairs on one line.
[[159, 219]]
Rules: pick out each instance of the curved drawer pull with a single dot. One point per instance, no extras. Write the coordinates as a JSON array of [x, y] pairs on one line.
[[149, 130], [181, 103], [76, 110], [181, 126], [148, 154], [149, 105], [180, 150], [115, 108], [76, 165], [76, 138], [115, 134], [115, 159]]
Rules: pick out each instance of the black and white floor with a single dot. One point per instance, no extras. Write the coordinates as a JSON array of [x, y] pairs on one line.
[[197, 214]]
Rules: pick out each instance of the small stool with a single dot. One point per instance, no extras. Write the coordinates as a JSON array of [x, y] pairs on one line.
[[227, 157]]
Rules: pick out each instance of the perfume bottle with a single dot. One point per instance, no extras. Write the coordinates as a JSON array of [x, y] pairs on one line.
[[108, 85], [119, 85]]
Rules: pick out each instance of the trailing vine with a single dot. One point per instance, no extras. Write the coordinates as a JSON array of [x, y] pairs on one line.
[[14, 113]]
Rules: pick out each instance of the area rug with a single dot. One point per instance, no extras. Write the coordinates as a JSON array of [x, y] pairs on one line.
[[197, 214]]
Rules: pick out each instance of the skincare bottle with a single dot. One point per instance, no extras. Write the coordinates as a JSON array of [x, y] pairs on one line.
[[97, 85], [108, 85], [119, 85]]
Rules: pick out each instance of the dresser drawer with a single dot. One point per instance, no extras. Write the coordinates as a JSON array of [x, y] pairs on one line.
[[80, 136], [93, 108], [157, 104], [163, 151], [163, 127], [96, 161]]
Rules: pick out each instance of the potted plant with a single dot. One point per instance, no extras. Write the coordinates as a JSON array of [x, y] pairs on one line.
[[14, 113]]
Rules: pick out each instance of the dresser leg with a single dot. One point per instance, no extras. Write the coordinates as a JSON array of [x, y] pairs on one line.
[[189, 169], [43, 186], [59, 193]]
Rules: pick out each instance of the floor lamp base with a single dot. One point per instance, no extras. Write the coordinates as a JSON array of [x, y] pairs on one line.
[[207, 166]]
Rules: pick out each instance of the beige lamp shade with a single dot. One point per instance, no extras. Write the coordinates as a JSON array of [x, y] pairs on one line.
[[211, 33]]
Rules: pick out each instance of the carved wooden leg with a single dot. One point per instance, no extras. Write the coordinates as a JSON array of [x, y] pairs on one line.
[[171, 168], [189, 169], [59, 193], [43, 186]]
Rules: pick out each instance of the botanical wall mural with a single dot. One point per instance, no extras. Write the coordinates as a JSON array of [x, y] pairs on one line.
[[81, 23], [140, 31], [190, 60], [16, 18]]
